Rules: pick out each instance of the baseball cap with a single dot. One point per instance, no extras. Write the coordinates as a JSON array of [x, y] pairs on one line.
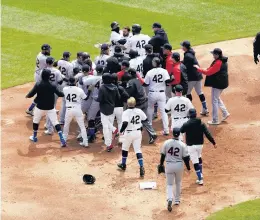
[[118, 49], [46, 47], [66, 54], [99, 68], [186, 44], [72, 80], [192, 113], [176, 56], [178, 88], [50, 60], [133, 53], [217, 51], [148, 47], [157, 25], [176, 132], [167, 47], [104, 47], [125, 63]]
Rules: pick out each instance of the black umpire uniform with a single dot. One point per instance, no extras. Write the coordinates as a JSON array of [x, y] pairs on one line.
[[256, 46], [134, 88]]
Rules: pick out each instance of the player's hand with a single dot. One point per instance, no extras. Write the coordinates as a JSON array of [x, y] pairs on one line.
[[256, 60], [215, 145], [196, 66], [188, 172]]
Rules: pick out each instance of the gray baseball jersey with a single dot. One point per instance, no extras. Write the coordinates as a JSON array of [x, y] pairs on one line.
[[55, 76], [174, 150], [66, 68], [101, 60], [93, 81], [76, 64], [40, 62]]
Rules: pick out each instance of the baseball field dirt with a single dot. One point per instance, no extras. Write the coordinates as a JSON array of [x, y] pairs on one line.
[[44, 182]]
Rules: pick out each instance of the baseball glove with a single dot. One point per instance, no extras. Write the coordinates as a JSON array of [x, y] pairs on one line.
[[161, 169]]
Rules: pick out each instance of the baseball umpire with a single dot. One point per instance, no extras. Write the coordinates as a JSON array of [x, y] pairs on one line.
[[173, 151], [195, 130], [256, 46], [45, 104]]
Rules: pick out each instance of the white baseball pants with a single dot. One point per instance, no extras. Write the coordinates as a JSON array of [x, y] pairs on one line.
[[195, 152], [132, 137], [75, 112], [108, 128], [118, 112], [51, 114], [160, 99]]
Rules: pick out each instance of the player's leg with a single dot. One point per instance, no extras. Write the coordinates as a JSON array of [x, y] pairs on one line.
[[54, 120], [195, 161], [36, 120], [190, 87], [178, 168], [80, 120], [67, 121], [155, 113], [150, 109], [199, 150], [118, 113], [169, 188], [161, 104], [168, 92], [198, 89], [126, 142], [214, 98], [92, 114], [107, 130], [137, 141], [49, 125], [225, 113], [29, 111], [63, 111]]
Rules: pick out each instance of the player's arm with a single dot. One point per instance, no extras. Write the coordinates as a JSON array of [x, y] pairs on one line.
[[168, 106], [185, 156], [58, 92], [146, 80], [167, 78], [208, 134], [100, 94], [124, 94], [183, 128], [160, 167], [125, 122], [59, 77], [32, 92]]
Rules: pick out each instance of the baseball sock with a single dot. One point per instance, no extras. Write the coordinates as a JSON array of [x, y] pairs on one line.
[[32, 106], [203, 101], [197, 169], [200, 164], [124, 156], [140, 159], [35, 129]]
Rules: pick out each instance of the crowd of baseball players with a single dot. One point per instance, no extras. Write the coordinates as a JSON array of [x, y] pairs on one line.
[[121, 91]]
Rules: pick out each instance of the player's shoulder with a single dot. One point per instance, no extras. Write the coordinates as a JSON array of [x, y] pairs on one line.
[[168, 142]]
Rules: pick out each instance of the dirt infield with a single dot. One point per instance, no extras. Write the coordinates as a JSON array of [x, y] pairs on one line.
[[44, 182]]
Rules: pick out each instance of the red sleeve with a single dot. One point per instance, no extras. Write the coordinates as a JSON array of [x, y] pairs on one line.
[[169, 65], [119, 75], [213, 69], [140, 78]]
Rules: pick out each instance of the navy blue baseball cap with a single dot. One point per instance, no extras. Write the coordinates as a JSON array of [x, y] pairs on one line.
[[157, 25], [167, 47], [186, 44], [46, 47], [66, 54], [217, 51], [104, 47]]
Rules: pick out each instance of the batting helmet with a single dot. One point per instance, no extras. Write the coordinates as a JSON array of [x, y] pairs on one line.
[[136, 29], [176, 132], [178, 88], [192, 113], [50, 60], [89, 179], [131, 102], [99, 69], [66, 54], [114, 25], [132, 72], [85, 68]]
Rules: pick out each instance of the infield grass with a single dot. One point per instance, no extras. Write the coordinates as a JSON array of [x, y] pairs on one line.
[[77, 25], [245, 211]]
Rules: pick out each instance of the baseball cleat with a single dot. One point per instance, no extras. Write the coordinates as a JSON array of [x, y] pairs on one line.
[[177, 203], [33, 139], [29, 112], [109, 148], [169, 206], [213, 122], [63, 143], [165, 133], [225, 117], [199, 182], [121, 166], [142, 171], [204, 112], [83, 144], [47, 132], [152, 139]]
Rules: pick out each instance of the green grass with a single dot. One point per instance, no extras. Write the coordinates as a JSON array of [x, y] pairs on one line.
[[245, 211], [77, 25]]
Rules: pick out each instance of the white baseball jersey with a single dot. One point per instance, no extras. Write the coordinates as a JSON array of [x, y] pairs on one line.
[[40, 62], [73, 96], [66, 68], [174, 150], [114, 37], [134, 117], [55, 76], [179, 106], [156, 78], [137, 64], [102, 60], [137, 42]]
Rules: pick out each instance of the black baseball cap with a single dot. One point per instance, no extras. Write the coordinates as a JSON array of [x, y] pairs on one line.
[[176, 56], [167, 47], [72, 80], [104, 47], [46, 47], [178, 88], [133, 53], [66, 54], [217, 51], [118, 49], [148, 47], [125, 63], [192, 113], [176, 132], [50, 60], [186, 44], [157, 25]]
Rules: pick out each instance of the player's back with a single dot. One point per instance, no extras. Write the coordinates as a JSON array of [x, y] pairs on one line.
[[40, 62], [55, 76], [137, 42], [66, 68], [179, 106], [101, 60], [134, 117], [73, 95], [156, 78], [174, 150], [137, 64]]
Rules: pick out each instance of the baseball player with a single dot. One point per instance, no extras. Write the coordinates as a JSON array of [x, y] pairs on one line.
[[179, 107], [66, 69], [156, 80], [45, 104], [78, 62], [256, 46], [40, 65], [136, 61], [131, 133], [138, 41], [73, 96], [195, 130], [115, 37], [173, 151], [56, 79], [104, 55]]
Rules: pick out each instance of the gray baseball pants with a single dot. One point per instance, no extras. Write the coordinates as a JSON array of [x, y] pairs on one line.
[[217, 103]]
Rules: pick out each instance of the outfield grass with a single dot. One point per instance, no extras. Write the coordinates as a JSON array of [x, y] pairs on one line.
[[245, 211], [77, 25]]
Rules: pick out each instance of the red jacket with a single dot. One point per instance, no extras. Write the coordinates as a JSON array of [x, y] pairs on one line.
[[212, 69], [122, 72], [169, 63], [176, 72]]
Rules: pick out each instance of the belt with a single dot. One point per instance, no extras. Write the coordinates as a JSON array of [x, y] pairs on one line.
[[180, 118], [156, 91], [138, 129], [70, 107]]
